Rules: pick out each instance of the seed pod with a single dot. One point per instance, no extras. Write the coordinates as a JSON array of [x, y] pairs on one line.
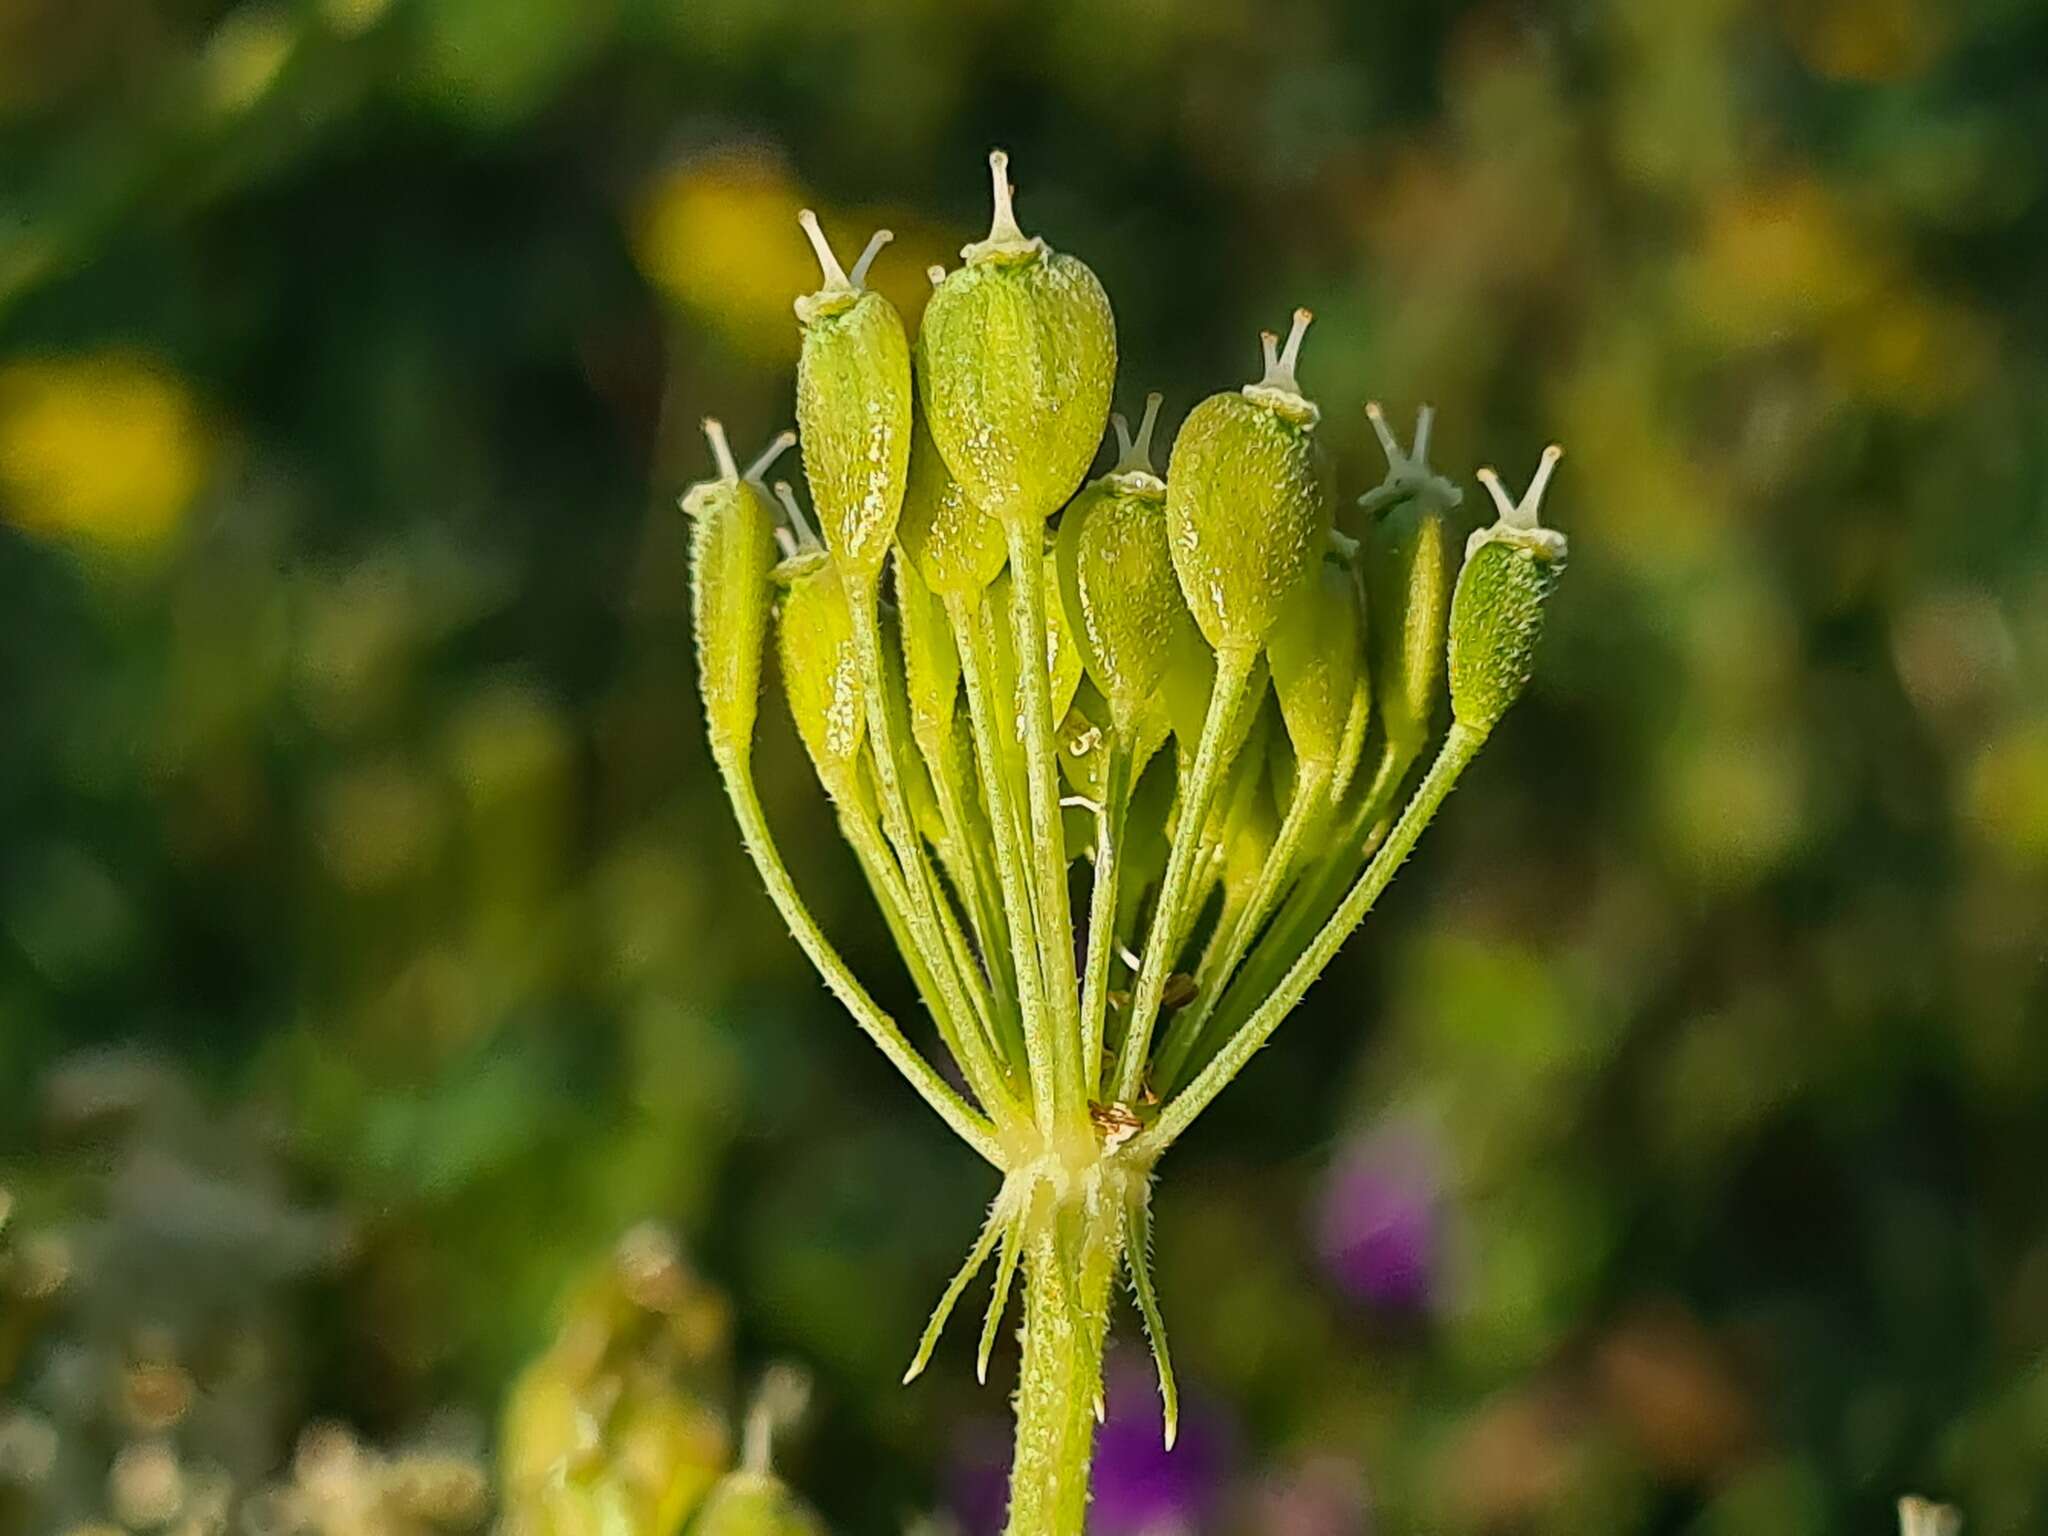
[[1408, 572], [821, 672], [751, 1500], [1016, 361], [958, 548], [732, 550], [750, 1503], [1497, 609], [1247, 504], [853, 408], [1117, 584], [1317, 654]]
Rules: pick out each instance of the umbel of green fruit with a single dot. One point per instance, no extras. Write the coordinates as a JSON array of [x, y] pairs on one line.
[[853, 408], [1215, 605], [1017, 359], [732, 550], [1247, 506], [1497, 610]]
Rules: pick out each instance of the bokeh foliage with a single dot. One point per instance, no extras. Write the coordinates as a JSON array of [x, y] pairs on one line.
[[350, 358]]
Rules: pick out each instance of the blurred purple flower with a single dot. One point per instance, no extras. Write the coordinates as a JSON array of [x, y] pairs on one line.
[[1141, 1488], [1378, 1224], [978, 1477]]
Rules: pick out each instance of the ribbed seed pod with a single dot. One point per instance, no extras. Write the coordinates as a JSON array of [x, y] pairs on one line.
[[732, 550], [957, 547], [1118, 588], [821, 672], [1016, 361], [853, 408], [1247, 502], [1408, 574], [1497, 609], [1317, 654]]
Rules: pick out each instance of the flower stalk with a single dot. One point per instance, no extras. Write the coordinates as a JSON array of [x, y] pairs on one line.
[[1001, 667]]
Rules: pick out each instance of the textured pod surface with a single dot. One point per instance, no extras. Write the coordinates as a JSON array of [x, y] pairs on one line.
[[1121, 596], [821, 673], [1409, 573], [1016, 361], [957, 547], [1316, 652], [732, 550], [853, 414], [1496, 620], [1247, 513]]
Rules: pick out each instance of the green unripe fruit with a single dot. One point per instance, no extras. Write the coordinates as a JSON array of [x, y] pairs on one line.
[[1497, 609], [821, 671], [1117, 584], [1247, 504], [853, 408], [1408, 571], [749, 1503], [957, 547], [1016, 361], [732, 551], [1317, 654]]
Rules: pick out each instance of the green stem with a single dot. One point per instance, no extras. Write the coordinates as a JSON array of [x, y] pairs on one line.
[[1459, 748], [1169, 921], [973, 1128], [885, 881], [1048, 833], [951, 766], [972, 633], [1314, 895], [963, 987], [1183, 1037], [1109, 842], [1059, 1384]]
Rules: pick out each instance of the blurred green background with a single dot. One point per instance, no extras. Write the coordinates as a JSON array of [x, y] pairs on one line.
[[375, 948]]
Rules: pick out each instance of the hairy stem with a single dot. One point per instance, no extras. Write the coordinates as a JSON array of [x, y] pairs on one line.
[[1109, 841], [970, 1127], [1048, 834], [1067, 1273], [972, 629], [1459, 748], [1169, 919]]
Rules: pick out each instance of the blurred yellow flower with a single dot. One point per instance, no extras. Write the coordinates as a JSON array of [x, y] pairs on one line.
[[108, 448], [719, 237], [245, 56], [2005, 798], [1871, 41], [377, 824], [1909, 353], [1773, 262]]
